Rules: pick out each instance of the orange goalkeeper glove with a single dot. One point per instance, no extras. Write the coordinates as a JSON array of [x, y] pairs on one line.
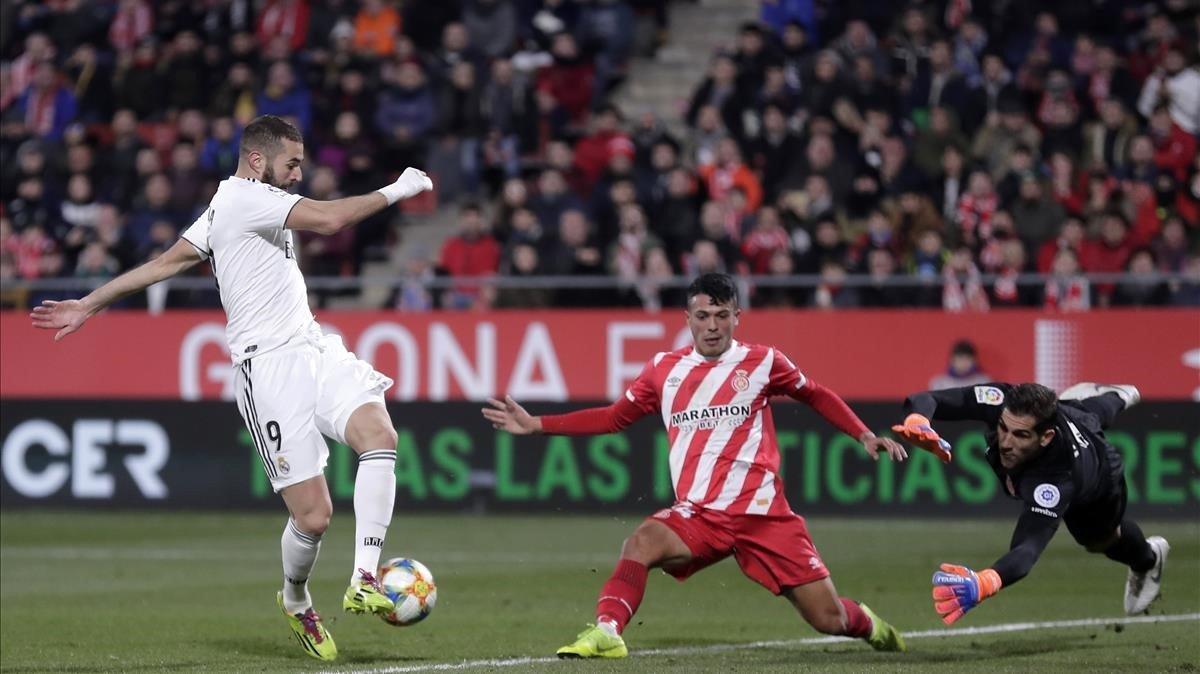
[[916, 430], [957, 589]]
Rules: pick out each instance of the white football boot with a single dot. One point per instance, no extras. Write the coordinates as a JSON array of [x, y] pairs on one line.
[[1142, 588], [1128, 392]]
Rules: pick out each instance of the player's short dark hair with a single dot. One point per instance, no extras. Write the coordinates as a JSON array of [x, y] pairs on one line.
[[266, 135], [1033, 400], [719, 287], [964, 347]]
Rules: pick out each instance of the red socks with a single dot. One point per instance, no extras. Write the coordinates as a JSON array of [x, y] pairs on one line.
[[858, 625], [621, 595]]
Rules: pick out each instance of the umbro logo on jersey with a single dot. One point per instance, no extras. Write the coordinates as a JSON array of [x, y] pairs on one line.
[[1043, 511], [674, 381]]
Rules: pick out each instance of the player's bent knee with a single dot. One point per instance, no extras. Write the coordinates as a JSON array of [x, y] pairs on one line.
[[645, 545], [384, 436], [375, 436], [315, 520], [313, 523], [370, 428], [636, 547]]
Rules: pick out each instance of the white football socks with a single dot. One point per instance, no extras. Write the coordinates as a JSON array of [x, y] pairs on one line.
[[300, 551], [374, 494]]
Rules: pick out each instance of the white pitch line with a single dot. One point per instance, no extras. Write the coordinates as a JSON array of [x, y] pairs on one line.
[[784, 643], [80, 553]]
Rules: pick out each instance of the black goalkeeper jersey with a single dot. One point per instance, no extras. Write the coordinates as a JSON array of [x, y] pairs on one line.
[[1078, 469]]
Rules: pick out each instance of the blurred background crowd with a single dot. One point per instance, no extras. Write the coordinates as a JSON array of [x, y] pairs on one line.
[[899, 154]]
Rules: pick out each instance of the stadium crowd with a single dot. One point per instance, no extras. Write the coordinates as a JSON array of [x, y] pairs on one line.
[[951, 144]]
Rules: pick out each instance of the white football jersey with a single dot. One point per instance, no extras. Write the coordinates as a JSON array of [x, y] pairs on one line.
[[242, 233]]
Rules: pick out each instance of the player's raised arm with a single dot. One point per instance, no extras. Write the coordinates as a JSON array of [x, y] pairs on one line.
[[68, 316], [973, 403], [329, 217], [967, 403]]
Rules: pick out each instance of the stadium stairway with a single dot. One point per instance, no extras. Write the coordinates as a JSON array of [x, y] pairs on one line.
[[663, 84]]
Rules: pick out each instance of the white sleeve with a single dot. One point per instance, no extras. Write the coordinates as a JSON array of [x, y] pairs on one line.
[[268, 211], [197, 233]]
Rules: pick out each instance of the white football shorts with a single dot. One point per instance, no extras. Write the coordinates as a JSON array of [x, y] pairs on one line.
[[293, 395]]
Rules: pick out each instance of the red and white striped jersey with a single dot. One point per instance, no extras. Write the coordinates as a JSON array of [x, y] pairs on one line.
[[724, 455]]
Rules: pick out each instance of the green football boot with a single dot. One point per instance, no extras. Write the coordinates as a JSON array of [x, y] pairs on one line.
[[366, 596], [310, 632], [883, 636], [595, 643]]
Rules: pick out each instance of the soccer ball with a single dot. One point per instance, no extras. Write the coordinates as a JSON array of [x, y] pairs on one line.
[[410, 585]]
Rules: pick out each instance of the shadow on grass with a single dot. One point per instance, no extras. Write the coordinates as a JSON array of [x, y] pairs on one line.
[[286, 653]]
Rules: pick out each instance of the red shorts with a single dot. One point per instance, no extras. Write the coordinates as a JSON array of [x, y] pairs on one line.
[[773, 551]]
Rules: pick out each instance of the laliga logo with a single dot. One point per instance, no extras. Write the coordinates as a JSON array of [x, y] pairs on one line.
[[741, 381]]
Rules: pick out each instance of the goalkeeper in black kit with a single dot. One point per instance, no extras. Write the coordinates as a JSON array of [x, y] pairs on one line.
[[1050, 452]]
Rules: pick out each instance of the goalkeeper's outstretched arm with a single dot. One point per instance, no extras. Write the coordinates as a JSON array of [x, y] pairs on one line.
[[969, 403], [958, 589], [1030, 537]]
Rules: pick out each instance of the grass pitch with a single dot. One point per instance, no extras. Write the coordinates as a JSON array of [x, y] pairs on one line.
[[83, 592]]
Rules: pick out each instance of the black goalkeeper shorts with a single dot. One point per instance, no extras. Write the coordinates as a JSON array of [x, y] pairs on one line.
[[1097, 521]]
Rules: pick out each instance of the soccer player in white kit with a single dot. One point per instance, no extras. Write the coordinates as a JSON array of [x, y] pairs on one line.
[[293, 383]]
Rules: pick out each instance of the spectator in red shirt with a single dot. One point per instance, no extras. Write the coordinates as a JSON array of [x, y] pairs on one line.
[[767, 238], [569, 79], [472, 253], [1174, 148], [594, 151], [1070, 237], [1109, 254]]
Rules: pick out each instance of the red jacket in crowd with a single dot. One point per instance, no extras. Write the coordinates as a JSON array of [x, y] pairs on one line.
[[476, 256]]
